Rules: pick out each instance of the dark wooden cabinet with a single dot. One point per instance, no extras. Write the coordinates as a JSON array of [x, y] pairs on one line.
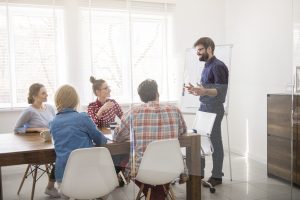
[[280, 129]]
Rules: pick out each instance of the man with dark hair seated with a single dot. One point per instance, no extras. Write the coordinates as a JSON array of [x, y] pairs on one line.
[[150, 121]]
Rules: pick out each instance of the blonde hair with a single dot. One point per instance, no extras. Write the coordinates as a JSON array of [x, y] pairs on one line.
[[66, 97]]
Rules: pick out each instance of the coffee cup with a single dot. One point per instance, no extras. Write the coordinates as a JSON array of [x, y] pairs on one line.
[[46, 135], [113, 125]]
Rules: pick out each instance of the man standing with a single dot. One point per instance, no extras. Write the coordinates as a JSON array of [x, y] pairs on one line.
[[212, 92], [149, 122]]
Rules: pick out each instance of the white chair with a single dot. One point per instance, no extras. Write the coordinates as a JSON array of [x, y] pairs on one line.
[[89, 174], [203, 124], [162, 162]]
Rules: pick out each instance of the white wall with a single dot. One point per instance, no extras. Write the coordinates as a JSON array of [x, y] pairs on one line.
[[194, 19], [261, 31], [8, 119]]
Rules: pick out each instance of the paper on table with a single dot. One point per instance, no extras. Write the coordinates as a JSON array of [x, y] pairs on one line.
[[191, 131]]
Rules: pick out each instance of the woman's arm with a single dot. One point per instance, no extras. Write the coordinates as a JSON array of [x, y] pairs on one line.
[[24, 118], [92, 113], [93, 131], [31, 130], [119, 112]]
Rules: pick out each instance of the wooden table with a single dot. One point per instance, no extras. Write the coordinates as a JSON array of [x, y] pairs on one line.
[[30, 148]]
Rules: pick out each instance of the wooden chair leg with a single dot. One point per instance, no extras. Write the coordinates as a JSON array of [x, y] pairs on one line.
[[172, 194], [148, 194], [166, 192], [34, 181], [24, 177], [140, 192], [169, 193], [47, 167]]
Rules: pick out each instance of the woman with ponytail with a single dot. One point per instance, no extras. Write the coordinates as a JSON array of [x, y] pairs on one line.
[[103, 110]]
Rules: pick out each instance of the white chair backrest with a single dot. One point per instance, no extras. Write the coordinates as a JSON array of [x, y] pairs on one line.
[[162, 162], [89, 174], [203, 124]]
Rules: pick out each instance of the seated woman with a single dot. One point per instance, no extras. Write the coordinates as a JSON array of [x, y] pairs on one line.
[[36, 118], [103, 110], [71, 130]]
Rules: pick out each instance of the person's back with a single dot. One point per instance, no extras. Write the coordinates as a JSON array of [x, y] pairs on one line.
[[71, 130], [154, 121], [149, 122]]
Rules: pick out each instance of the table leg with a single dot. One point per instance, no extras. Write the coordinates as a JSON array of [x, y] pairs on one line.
[[193, 159], [1, 189]]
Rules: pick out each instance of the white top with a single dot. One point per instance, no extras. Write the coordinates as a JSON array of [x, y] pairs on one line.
[[34, 118]]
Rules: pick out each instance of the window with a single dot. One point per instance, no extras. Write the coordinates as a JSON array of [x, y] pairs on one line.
[[28, 42], [128, 47], [4, 68], [123, 46]]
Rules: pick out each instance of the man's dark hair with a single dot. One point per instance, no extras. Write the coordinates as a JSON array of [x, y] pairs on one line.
[[147, 90], [206, 42]]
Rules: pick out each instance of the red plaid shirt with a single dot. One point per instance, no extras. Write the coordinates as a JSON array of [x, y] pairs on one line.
[[151, 121], [107, 116]]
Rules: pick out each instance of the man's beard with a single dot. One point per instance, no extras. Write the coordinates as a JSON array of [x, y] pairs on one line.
[[204, 57]]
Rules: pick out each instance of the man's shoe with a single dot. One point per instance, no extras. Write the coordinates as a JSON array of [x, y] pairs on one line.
[[122, 180], [213, 181], [62, 196], [52, 192]]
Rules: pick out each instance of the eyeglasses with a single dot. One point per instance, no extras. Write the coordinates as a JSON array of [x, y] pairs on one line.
[[200, 49], [106, 88]]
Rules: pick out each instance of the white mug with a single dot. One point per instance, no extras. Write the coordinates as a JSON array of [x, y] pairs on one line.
[[46, 135]]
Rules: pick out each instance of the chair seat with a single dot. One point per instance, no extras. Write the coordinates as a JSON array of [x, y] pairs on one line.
[[89, 174], [161, 163]]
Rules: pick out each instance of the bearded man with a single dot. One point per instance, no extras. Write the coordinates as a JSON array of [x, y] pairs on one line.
[[212, 91]]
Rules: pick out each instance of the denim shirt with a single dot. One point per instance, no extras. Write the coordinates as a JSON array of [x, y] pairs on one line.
[[215, 75], [72, 130]]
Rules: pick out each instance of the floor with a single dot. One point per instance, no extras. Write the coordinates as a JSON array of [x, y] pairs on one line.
[[250, 182]]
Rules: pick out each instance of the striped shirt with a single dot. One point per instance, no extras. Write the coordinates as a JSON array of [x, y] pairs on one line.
[[107, 116], [151, 121]]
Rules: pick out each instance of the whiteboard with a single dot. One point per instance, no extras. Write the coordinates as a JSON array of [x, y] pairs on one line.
[[192, 74]]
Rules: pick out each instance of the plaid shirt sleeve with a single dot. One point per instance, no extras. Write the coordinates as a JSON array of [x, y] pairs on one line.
[[122, 133], [182, 124]]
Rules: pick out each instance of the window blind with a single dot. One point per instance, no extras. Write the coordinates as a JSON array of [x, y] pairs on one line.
[[128, 43], [123, 42], [29, 36]]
